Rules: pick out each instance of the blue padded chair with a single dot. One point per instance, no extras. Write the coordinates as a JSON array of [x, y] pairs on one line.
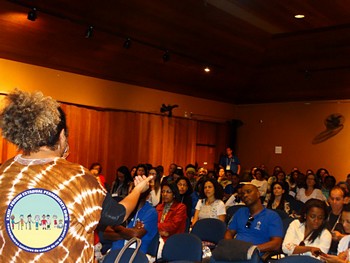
[[153, 246], [209, 229], [255, 259], [231, 211], [127, 254], [182, 247], [112, 255], [281, 213], [296, 205]]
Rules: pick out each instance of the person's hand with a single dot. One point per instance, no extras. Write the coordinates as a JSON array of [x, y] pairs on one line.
[[164, 233], [336, 235], [315, 251], [139, 224], [142, 182]]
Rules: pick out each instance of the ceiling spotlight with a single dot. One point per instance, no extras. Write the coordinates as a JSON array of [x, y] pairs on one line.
[[32, 15], [127, 43], [299, 16], [89, 32], [166, 56], [207, 69]]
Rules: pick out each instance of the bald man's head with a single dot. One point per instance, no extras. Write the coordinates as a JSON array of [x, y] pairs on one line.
[[250, 194]]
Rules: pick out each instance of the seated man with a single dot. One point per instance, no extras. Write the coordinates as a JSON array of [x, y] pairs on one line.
[[336, 201], [344, 243], [142, 224], [256, 224]]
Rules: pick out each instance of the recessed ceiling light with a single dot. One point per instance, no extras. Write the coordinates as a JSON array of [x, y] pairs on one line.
[[299, 16], [207, 69]]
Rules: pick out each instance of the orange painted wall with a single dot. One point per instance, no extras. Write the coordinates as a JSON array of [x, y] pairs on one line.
[[83, 90], [294, 126], [290, 125], [124, 133]]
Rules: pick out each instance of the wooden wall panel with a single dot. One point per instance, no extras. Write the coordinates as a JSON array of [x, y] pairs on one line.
[[116, 138]]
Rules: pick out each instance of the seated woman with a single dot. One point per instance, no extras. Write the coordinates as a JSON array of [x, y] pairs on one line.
[[185, 190], [211, 204], [308, 235], [123, 183], [311, 190], [260, 183], [142, 224], [154, 184], [96, 170], [277, 198], [171, 214]]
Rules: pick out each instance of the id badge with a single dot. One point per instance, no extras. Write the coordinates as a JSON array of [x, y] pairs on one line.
[[228, 167]]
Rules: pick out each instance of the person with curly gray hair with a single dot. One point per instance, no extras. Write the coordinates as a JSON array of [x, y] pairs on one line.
[[67, 201]]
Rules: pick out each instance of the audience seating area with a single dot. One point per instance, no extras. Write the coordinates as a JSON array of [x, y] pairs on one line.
[[208, 232]]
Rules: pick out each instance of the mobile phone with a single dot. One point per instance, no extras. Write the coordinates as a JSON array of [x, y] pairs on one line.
[[320, 253]]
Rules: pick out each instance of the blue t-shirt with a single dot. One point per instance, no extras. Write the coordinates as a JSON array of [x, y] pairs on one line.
[[149, 216], [233, 162], [263, 227]]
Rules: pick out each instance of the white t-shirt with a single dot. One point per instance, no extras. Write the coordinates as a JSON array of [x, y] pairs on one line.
[[214, 210], [295, 234], [343, 244], [316, 193], [261, 185]]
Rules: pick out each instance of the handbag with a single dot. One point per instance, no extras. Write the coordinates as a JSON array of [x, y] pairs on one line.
[[127, 254]]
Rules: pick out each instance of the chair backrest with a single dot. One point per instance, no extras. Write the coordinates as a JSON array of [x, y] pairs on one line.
[[281, 213], [231, 211], [298, 259], [209, 229], [286, 222], [296, 205], [254, 259], [184, 246], [112, 255], [152, 249]]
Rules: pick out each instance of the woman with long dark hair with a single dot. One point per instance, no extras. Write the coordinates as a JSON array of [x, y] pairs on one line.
[[154, 184], [122, 185], [309, 235], [185, 190], [278, 199]]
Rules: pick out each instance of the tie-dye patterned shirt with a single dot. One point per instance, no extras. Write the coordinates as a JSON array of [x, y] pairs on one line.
[[26, 225]]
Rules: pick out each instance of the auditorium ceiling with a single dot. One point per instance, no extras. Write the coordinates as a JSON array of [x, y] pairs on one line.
[[256, 50]]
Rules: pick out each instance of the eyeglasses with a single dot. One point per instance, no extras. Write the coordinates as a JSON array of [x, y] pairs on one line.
[[167, 192], [249, 222]]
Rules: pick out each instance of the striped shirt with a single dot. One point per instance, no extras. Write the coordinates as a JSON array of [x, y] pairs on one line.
[[81, 194]]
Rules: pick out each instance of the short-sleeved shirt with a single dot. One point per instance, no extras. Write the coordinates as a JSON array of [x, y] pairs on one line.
[[210, 211], [296, 233], [232, 162], [344, 244], [149, 217], [262, 228], [55, 183]]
